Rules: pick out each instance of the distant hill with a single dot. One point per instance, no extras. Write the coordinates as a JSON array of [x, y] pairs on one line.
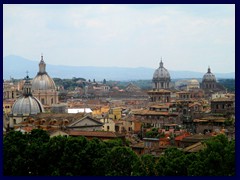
[[16, 67]]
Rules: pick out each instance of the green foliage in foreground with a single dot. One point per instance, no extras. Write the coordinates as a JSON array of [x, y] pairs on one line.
[[37, 154]]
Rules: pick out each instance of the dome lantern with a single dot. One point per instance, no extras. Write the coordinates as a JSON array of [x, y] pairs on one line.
[[27, 87], [42, 66]]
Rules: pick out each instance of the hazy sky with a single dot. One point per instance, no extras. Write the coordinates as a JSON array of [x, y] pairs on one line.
[[187, 37]]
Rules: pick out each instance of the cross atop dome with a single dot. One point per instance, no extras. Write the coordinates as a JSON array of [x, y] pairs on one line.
[[161, 63]]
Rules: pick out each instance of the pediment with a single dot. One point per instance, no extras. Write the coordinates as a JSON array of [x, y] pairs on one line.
[[86, 121]]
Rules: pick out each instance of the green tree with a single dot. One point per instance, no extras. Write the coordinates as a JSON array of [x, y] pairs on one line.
[[172, 163], [153, 133], [148, 163], [218, 157], [74, 155], [14, 146], [122, 161]]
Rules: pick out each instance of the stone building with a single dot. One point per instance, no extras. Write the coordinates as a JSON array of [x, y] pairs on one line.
[[157, 115], [161, 95], [10, 90], [43, 86], [223, 105]]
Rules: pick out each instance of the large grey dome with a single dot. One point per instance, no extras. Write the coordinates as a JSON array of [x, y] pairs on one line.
[[161, 72], [209, 76], [43, 81], [27, 105]]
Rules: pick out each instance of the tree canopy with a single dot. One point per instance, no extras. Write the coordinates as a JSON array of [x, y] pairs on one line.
[[36, 154]]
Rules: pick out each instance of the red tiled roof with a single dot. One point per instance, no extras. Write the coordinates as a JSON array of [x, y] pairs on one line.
[[27, 129], [178, 138], [95, 134]]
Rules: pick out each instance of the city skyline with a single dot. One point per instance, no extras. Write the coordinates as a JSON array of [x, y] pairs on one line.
[[185, 36]]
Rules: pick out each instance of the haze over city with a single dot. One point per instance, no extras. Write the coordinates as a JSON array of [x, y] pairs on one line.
[[187, 37]]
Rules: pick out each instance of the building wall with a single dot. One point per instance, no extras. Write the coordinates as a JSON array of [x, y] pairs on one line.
[[108, 125], [16, 119], [7, 106], [96, 128], [49, 97], [115, 113], [201, 127], [222, 107]]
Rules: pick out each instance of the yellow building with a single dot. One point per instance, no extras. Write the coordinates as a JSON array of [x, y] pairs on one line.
[[120, 126], [100, 111], [7, 105], [115, 113]]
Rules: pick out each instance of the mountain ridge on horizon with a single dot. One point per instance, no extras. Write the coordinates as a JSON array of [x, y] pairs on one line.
[[91, 72]]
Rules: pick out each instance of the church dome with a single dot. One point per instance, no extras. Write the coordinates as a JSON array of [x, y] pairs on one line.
[[193, 83], [161, 72], [209, 76], [27, 104], [43, 81]]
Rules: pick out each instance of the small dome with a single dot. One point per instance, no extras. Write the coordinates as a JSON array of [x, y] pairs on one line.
[[161, 72], [193, 82], [27, 105], [209, 76]]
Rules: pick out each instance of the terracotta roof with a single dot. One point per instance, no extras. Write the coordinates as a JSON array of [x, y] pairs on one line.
[[223, 99], [27, 129], [195, 147], [95, 134], [138, 145], [183, 92], [210, 118], [160, 90], [148, 112], [178, 138], [195, 138]]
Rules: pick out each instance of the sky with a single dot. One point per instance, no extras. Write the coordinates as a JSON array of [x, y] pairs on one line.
[[186, 37]]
